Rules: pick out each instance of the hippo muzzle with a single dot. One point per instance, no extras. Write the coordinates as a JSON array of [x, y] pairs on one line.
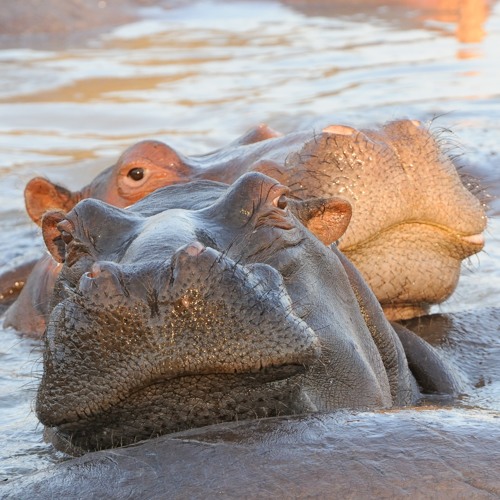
[[182, 340]]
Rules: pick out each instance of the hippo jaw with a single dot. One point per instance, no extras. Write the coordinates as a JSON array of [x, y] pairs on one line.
[[232, 398], [218, 342], [437, 252]]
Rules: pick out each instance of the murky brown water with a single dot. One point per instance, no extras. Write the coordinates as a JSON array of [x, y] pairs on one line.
[[198, 75]]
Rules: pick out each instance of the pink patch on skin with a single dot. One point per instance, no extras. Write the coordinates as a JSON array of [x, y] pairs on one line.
[[95, 270], [476, 239], [339, 130], [194, 249]]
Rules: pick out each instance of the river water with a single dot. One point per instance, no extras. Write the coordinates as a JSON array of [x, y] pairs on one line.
[[198, 74]]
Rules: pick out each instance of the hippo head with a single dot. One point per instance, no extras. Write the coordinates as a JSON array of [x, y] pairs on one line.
[[168, 319], [414, 219], [141, 169]]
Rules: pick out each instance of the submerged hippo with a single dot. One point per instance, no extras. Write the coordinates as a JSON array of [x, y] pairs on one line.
[[438, 454], [167, 319], [424, 452], [409, 203]]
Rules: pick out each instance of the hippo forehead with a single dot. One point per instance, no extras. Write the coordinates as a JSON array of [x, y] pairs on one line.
[[154, 233], [159, 236]]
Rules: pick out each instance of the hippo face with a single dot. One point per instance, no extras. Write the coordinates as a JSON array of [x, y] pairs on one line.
[[165, 320], [414, 220]]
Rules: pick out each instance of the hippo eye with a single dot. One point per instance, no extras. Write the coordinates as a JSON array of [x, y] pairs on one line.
[[280, 202], [136, 174]]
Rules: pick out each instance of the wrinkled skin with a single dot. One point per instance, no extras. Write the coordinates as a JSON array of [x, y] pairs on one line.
[[164, 320], [437, 454], [379, 455], [409, 203]]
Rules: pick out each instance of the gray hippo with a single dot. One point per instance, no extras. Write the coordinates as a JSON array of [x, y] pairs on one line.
[[425, 452], [417, 453], [409, 204], [167, 319]]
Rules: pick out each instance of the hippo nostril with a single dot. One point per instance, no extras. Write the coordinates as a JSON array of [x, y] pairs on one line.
[[182, 261], [280, 202], [194, 249], [65, 226], [86, 282], [95, 271], [88, 279], [66, 237]]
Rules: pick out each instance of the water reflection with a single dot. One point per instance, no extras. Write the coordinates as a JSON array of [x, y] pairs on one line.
[[469, 17], [466, 16]]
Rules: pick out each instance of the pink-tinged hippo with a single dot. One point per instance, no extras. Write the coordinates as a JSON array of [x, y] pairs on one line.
[[413, 220], [165, 318]]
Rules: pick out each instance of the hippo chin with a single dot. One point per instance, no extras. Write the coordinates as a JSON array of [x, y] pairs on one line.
[[409, 203], [165, 319]]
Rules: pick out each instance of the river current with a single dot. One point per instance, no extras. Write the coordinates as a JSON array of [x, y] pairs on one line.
[[197, 75]]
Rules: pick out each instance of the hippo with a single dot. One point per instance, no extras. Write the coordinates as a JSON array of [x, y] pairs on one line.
[[427, 452], [435, 221], [165, 319]]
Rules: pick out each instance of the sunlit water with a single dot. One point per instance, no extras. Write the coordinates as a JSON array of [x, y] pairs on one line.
[[200, 75]]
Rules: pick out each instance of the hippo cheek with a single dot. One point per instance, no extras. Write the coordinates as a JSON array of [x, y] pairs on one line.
[[218, 342], [435, 255]]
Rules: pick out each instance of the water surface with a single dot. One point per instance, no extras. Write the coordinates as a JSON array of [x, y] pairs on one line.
[[199, 74]]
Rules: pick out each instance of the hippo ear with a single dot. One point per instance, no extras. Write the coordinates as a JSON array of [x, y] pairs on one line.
[[326, 218], [41, 195], [259, 133], [52, 236]]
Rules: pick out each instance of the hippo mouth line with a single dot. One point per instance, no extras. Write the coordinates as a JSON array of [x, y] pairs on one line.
[[285, 378], [470, 242], [261, 374]]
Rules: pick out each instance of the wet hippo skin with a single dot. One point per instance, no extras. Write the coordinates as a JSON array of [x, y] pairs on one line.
[[423, 453]]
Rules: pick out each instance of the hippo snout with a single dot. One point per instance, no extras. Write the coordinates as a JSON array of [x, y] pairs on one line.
[[197, 330]]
